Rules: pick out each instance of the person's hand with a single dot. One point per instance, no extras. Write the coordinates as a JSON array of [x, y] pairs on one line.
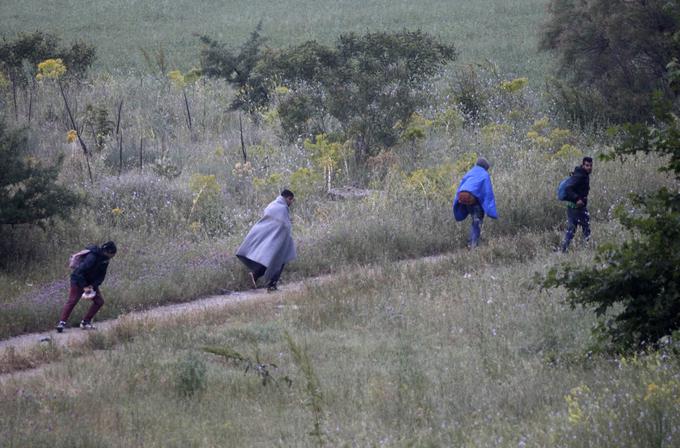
[[579, 203], [88, 293]]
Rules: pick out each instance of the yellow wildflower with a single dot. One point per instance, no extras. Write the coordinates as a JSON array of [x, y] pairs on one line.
[[51, 69], [195, 226], [652, 389], [177, 78], [116, 211], [4, 82], [71, 136], [515, 85]]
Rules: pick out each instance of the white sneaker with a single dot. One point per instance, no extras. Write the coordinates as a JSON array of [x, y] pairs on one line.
[[85, 325]]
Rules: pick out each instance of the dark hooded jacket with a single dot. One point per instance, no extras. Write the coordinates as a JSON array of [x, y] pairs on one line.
[[579, 186], [92, 270]]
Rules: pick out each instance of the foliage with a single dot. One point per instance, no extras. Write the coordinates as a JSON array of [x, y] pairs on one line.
[[612, 54], [325, 155], [315, 398], [238, 69], [38, 46], [97, 119], [190, 376], [181, 80], [471, 92], [29, 193], [165, 167], [638, 280], [514, 85], [432, 184], [365, 83]]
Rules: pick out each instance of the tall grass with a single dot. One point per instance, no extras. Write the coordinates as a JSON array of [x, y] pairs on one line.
[[459, 351], [176, 245]]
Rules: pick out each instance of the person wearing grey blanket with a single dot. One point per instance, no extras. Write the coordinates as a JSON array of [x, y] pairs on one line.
[[269, 244]]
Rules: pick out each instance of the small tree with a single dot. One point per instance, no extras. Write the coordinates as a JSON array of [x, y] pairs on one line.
[[238, 69], [29, 193], [366, 83], [639, 277], [19, 59], [612, 54]]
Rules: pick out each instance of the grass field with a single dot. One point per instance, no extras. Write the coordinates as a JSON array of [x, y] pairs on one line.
[[463, 351], [503, 31]]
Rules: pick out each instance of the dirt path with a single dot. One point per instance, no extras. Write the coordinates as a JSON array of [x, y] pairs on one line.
[[24, 345]]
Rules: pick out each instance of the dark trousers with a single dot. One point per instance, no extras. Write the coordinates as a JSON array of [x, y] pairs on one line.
[[74, 296], [476, 213], [576, 217], [258, 270]]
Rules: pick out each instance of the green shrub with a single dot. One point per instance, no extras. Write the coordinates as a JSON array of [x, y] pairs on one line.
[[635, 286], [190, 376], [624, 61], [29, 192]]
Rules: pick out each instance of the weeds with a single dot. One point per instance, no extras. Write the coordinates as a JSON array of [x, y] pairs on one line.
[[315, 399], [190, 376], [259, 368]]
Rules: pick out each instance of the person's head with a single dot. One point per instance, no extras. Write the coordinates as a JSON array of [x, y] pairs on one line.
[[288, 196], [483, 163], [109, 249], [587, 164]]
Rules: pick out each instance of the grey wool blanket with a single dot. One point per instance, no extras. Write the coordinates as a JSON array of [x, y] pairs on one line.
[[270, 241]]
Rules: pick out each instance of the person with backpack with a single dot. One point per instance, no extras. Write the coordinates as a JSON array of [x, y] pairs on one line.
[[89, 270], [475, 198], [574, 190], [269, 244]]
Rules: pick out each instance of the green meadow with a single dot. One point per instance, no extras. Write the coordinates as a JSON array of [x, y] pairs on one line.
[[504, 32]]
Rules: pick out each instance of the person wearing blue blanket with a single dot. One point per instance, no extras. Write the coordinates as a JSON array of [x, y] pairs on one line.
[[475, 198]]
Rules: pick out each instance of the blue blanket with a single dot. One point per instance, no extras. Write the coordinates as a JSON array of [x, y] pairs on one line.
[[478, 182]]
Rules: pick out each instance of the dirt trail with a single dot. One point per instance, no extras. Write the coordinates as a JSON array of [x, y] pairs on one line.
[[73, 337]]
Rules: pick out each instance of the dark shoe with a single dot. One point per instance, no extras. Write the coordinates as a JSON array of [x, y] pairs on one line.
[[87, 325], [272, 288], [60, 326], [253, 282]]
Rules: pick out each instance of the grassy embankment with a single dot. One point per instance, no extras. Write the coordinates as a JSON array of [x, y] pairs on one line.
[[463, 351]]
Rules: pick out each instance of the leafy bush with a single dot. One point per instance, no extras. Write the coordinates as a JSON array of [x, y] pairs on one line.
[[365, 84], [638, 280], [190, 376], [612, 54], [29, 193], [19, 58]]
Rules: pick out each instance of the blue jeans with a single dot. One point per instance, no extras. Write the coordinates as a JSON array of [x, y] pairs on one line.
[[576, 217], [476, 213]]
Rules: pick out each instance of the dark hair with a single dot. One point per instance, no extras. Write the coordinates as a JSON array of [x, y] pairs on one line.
[[109, 247], [287, 194], [483, 163], [587, 159]]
